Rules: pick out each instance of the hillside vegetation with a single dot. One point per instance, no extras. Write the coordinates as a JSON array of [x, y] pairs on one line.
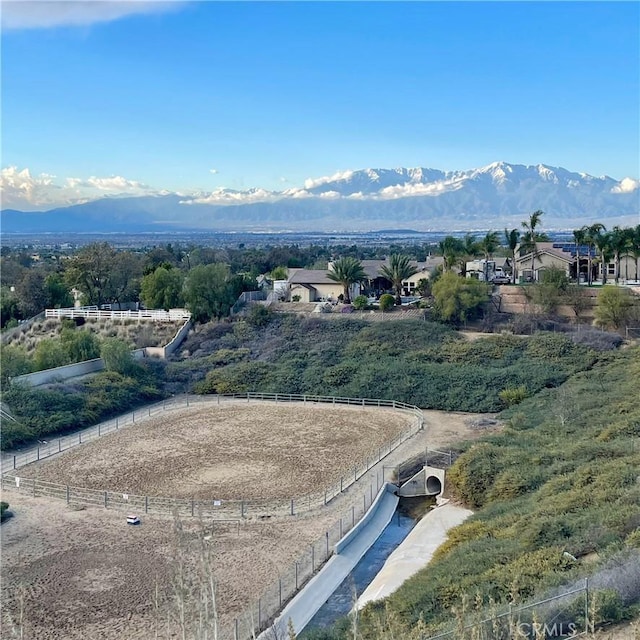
[[562, 477], [423, 363]]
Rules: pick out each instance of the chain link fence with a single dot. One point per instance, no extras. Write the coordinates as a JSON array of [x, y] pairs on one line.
[[565, 615]]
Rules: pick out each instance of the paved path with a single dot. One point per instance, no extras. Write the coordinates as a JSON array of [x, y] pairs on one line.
[[414, 552]]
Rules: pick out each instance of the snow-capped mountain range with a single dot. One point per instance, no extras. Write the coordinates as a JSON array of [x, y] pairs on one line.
[[498, 195]]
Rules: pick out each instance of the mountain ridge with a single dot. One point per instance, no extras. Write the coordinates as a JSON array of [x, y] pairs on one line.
[[498, 194]]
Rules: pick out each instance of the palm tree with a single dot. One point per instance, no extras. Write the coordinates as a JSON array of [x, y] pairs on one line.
[[579, 237], [398, 270], [450, 248], [591, 235], [513, 239], [602, 241], [530, 237], [620, 241], [488, 245], [347, 271], [635, 247]]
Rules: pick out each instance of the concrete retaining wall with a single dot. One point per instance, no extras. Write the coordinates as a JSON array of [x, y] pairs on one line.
[[347, 539], [61, 373]]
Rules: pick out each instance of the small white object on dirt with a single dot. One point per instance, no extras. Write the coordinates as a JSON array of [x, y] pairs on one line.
[[133, 519]]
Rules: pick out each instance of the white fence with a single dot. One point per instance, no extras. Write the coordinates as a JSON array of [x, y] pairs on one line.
[[154, 315]]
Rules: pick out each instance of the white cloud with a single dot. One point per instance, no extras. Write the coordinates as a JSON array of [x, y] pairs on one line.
[[418, 189], [626, 185], [231, 196], [213, 171], [21, 190], [330, 195], [44, 14], [310, 183]]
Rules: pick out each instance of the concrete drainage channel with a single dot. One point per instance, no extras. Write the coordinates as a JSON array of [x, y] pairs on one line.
[[410, 549], [348, 552]]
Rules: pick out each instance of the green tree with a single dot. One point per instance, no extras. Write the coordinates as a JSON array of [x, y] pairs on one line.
[[488, 246], [457, 299], [550, 290], [602, 241], [80, 344], [9, 307], [531, 237], [347, 271], [125, 277], [90, 272], [512, 239], [15, 362], [31, 293], [397, 271], [591, 235], [620, 241], [613, 308], [210, 291], [58, 294], [162, 289], [635, 249], [360, 302], [50, 353], [579, 238], [117, 356], [279, 273], [386, 302], [423, 287], [451, 249]]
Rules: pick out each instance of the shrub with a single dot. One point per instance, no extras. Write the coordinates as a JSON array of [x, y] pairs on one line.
[[614, 307], [511, 395], [386, 301], [259, 315], [4, 506], [360, 303]]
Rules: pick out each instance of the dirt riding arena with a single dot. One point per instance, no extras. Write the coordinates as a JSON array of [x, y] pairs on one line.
[[70, 573]]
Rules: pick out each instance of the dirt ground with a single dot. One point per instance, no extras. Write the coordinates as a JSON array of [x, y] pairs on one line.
[[227, 451], [86, 574]]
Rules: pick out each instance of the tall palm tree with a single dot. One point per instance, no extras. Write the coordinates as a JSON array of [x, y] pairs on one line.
[[620, 240], [591, 236], [347, 271], [530, 237], [470, 248], [512, 239], [579, 237], [450, 248], [635, 248], [398, 270], [602, 242], [488, 246]]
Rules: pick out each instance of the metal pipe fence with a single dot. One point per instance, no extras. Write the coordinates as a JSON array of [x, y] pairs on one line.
[[210, 508]]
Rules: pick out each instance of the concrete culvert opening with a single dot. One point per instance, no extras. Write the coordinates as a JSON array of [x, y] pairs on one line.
[[434, 486]]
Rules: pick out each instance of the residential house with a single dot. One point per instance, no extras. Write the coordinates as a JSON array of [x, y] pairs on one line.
[[377, 284], [313, 285], [574, 261]]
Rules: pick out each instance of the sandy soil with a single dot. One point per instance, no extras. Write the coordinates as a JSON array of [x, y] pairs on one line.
[[228, 451], [86, 574]]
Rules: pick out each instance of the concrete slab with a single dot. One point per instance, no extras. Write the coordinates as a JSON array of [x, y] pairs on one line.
[[318, 590], [414, 552]]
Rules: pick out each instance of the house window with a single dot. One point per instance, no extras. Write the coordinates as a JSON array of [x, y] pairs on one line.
[[611, 269]]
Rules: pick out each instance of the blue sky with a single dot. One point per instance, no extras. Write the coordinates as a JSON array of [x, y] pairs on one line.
[[269, 94]]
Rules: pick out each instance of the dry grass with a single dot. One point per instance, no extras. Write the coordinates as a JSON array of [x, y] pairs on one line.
[[137, 334]]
